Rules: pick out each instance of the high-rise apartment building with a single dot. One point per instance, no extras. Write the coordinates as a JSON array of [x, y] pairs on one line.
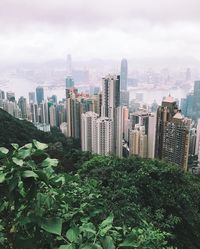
[[110, 101], [22, 103], [34, 113], [124, 74], [121, 129], [151, 135], [39, 94], [197, 147], [103, 137], [44, 113], [165, 114], [138, 142], [110, 95], [88, 138], [73, 118], [53, 116], [176, 141]]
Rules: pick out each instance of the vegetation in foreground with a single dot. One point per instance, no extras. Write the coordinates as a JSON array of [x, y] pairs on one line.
[[109, 203], [42, 209], [83, 201]]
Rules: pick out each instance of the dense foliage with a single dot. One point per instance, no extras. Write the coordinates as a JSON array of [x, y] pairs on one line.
[[90, 202], [43, 209], [134, 188]]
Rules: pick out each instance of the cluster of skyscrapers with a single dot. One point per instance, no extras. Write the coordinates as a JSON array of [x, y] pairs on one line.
[[105, 124]]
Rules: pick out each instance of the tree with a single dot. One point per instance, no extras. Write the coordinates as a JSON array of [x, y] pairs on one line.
[[43, 209]]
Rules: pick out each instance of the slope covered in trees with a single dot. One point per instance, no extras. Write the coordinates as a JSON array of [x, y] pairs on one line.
[[67, 150], [13, 130], [109, 203]]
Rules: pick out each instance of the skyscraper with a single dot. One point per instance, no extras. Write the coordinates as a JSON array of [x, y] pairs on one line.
[[165, 114], [73, 118], [34, 113], [103, 136], [110, 95], [124, 74], [39, 94], [196, 100], [69, 65], [176, 141], [197, 147], [31, 96], [44, 113], [69, 82], [151, 135], [138, 142], [53, 116], [88, 137], [2, 94], [124, 98], [22, 103], [121, 127]]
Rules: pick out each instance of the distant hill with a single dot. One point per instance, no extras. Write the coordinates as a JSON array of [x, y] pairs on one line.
[[13, 130]]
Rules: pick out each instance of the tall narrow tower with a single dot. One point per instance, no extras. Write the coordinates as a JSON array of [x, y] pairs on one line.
[[196, 101], [124, 74], [39, 94], [69, 65], [110, 95]]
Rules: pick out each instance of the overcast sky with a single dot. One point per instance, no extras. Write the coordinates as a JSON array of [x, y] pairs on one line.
[[40, 30]]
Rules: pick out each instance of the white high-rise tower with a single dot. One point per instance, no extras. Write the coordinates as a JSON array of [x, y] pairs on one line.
[[88, 120]]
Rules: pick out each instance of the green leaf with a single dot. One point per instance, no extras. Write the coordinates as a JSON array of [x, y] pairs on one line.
[[50, 162], [73, 234], [108, 243], [103, 231], [24, 153], [29, 173], [2, 177], [107, 221], [91, 246], [3, 150], [17, 161], [106, 225], [88, 227], [129, 241], [40, 146], [66, 247], [15, 146], [21, 189], [43, 177], [52, 225]]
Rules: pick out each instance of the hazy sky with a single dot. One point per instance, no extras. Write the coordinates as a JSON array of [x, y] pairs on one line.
[[37, 30]]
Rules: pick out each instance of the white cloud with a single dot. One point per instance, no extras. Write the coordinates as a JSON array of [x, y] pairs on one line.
[[48, 29]]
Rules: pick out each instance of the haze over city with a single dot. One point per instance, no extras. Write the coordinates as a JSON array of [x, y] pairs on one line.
[[149, 32]]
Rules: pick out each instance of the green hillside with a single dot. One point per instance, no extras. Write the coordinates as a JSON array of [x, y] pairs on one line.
[[13, 130], [67, 150]]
